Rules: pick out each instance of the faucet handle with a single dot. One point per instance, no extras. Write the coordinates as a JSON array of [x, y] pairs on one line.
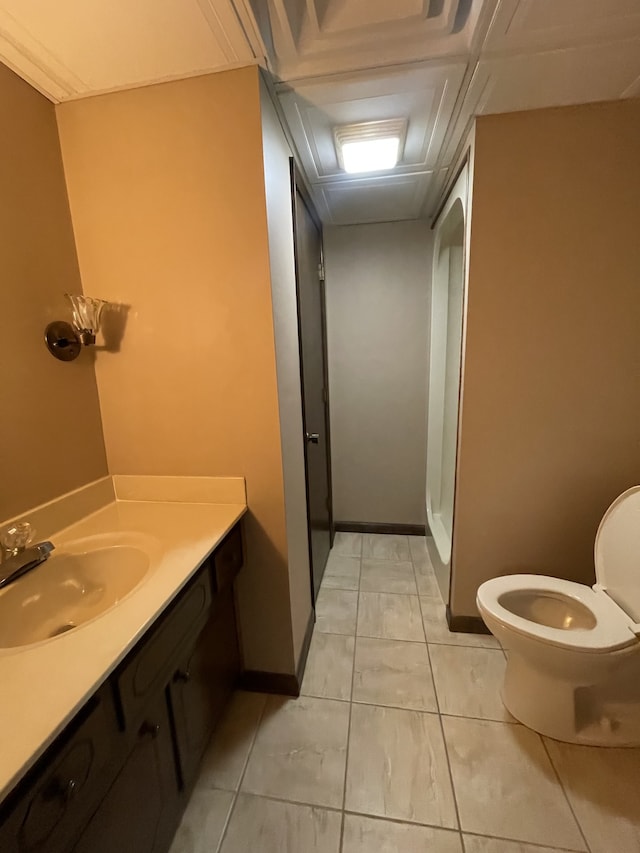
[[15, 537]]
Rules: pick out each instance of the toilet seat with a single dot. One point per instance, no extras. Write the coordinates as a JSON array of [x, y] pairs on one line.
[[614, 601], [613, 630]]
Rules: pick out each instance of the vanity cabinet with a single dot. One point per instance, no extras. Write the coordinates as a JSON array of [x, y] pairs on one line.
[[118, 778], [201, 685], [141, 810], [46, 809]]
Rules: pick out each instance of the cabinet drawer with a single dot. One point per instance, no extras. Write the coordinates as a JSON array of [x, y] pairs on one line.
[[150, 665], [59, 796], [227, 559]]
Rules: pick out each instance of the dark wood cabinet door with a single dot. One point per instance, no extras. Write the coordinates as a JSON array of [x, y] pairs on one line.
[[201, 686], [148, 668], [141, 811], [67, 785]]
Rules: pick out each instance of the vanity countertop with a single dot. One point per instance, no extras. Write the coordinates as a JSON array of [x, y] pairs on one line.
[[43, 686]]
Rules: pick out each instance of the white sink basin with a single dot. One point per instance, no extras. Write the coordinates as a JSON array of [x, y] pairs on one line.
[[79, 582]]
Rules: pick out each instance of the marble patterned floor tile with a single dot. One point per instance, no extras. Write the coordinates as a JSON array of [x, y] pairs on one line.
[[341, 572], [398, 766], [385, 546], [203, 822], [603, 787], [229, 748], [437, 630], [482, 844], [374, 835], [329, 668], [418, 547], [300, 751], [505, 785], [259, 825], [393, 672], [426, 581], [347, 544], [469, 680], [336, 611], [389, 616], [384, 576]]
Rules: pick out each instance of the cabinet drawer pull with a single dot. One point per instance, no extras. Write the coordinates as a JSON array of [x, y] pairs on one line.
[[63, 790], [149, 728], [182, 675]]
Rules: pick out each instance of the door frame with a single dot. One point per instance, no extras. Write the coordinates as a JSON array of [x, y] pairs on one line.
[[298, 188]]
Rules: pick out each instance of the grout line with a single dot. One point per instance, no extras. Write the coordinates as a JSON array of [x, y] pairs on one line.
[[513, 722], [394, 561], [392, 639], [353, 675], [562, 788], [444, 740], [401, 821], [464, 646], [241, 779], [384, 592], [534, 844]]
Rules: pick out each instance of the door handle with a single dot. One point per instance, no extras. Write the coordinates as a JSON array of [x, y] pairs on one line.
[[313, 437]]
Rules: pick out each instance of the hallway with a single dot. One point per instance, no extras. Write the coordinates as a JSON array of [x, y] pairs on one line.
[[399, 742]]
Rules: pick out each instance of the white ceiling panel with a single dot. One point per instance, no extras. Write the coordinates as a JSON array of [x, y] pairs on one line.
[[424, 96], [435, 190], [551, 79], [556, 78], [375, 199], [328, 36], [434, 63], [531, 25], [75, 48]]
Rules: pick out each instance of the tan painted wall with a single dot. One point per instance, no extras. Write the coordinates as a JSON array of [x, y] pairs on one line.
[[551, 398], [167, 197], [50, 432]]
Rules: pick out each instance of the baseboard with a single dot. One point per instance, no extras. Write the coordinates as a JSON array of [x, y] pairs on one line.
[[284, 683], [466, 624], [304, 652], [259, 681], [377, 527]]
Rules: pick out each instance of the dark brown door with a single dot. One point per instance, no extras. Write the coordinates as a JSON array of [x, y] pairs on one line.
[[315, 391]]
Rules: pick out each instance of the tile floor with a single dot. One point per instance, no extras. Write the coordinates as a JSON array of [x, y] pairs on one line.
[[399, 743]]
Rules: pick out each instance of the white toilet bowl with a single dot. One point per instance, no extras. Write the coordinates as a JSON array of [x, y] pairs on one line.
[[573, 670]]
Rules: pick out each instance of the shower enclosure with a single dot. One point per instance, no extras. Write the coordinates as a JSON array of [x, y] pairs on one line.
[[447, 301]]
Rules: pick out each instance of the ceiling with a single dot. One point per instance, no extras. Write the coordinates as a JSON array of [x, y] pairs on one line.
[[436, 63]]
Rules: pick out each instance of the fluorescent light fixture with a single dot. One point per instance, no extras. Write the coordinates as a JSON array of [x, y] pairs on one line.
[[371, 146], [370, 155]]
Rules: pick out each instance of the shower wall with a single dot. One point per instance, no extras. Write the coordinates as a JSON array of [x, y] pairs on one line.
[[447, 305], [377, 290]]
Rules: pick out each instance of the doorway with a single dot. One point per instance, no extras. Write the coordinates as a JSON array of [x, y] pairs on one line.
[[312, 339]]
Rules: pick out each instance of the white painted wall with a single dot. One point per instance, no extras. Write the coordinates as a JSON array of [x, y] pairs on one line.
[[378, 284], [276, 153]]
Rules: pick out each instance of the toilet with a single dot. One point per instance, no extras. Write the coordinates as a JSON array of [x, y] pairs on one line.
[[573, 668]]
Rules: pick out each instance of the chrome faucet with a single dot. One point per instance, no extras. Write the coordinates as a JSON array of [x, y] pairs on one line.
[[17, 559]]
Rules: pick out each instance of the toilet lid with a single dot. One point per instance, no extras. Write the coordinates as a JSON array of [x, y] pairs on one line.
[[617, 552]]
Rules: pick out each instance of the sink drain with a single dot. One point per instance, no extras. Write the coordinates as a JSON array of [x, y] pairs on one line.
[[62, 629]]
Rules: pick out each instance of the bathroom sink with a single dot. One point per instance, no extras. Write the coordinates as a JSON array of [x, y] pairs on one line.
[[79, 582]]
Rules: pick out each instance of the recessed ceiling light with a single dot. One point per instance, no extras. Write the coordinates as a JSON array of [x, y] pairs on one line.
[[371, 146]]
